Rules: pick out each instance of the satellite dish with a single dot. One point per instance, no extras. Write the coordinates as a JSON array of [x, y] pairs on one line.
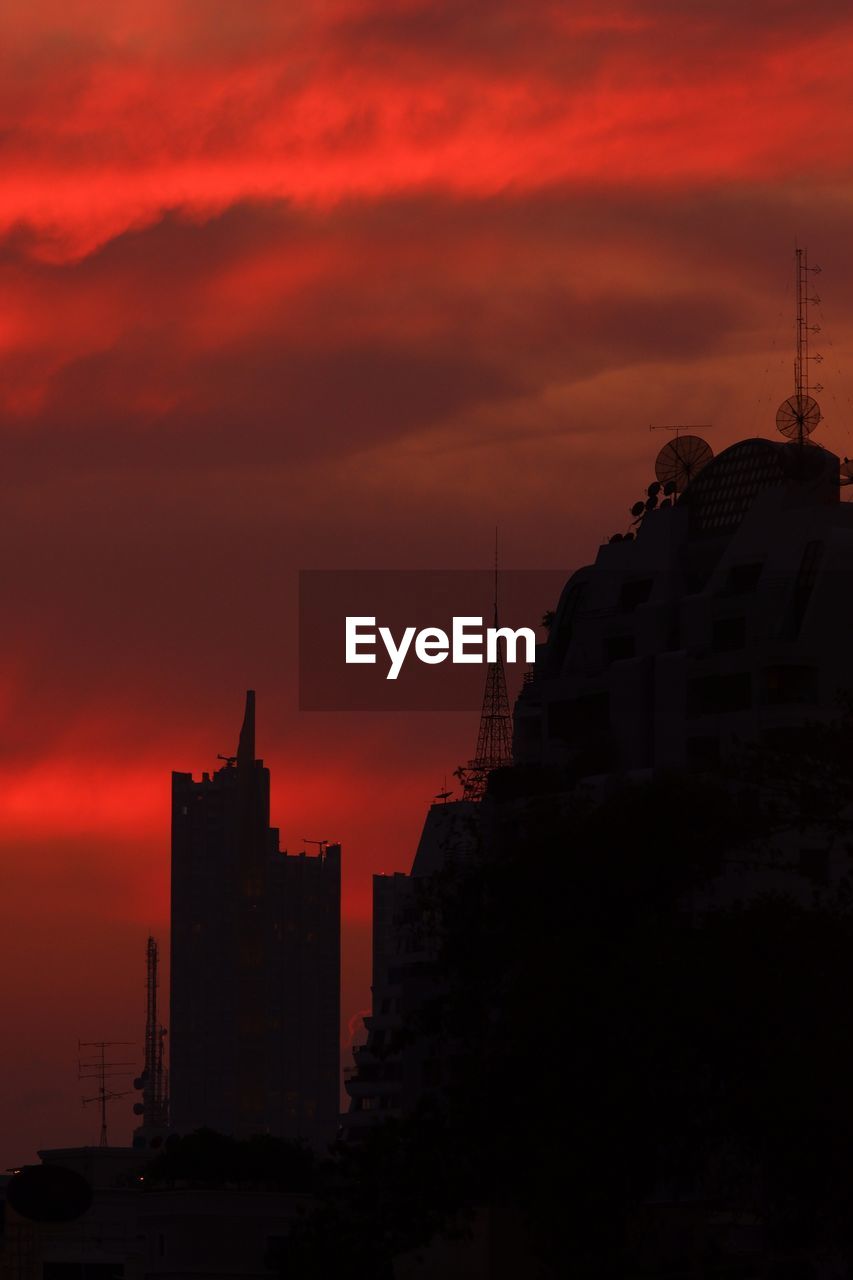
[[797, 417], [681, 460]]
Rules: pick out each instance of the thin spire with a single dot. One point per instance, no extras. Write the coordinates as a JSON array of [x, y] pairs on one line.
[[496, 576], [494, 739], [246, 745]]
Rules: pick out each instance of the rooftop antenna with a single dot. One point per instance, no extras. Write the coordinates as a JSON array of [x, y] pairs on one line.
[[102, 1071], [705, 426], [797, 417], [494, 740], [495, 608], [154, 1107]]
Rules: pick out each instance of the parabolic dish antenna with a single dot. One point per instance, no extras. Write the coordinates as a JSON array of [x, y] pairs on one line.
[[797, 416], [682, 459]]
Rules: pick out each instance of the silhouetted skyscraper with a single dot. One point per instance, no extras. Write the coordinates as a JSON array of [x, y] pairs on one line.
[[255, 972]]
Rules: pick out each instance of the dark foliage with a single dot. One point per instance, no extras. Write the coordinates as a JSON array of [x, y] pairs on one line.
[[652, 1071], [209, 1159]]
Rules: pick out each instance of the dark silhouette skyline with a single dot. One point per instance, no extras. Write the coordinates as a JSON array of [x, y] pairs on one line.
[[349, 286]]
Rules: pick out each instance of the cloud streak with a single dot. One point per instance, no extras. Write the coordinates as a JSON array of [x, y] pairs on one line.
[[116, 116]]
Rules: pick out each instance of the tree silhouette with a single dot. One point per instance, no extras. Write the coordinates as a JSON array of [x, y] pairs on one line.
[[645, 1055]]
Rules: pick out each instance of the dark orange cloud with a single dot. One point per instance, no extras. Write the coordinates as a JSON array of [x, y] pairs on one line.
[[113, 115]]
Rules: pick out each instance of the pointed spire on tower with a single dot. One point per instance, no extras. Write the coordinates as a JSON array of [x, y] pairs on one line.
[[246, 745], [494, 740]]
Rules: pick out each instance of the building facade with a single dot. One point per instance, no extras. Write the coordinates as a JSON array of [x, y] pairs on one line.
[[388, 1077], [135, 1231], [723, 619], [255, 962]]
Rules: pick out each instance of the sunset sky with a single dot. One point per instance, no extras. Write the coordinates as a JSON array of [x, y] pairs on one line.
[[344, 284]]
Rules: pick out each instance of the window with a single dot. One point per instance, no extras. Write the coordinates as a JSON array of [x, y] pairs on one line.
[[804, 585], [696, 580], [790, 685], [617, 648], [82, 1270], [728, 634], [703, 752], [743, 578], [561, 629], [432, 1073], [574, 720], [723, 492], [814, 865], [719, 693], [633, 593], [528, 730]]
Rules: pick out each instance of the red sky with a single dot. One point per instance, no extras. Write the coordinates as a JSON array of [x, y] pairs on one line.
[[344, 284]]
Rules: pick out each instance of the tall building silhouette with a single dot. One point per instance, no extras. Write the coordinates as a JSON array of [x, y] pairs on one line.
[[255, 961], [721, 619]]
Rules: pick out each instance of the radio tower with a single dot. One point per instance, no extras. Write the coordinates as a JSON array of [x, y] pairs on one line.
[[801, 363], [494, 740], [154, 1107], [798, 416]]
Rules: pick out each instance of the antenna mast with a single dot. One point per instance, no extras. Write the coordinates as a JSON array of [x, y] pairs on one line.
[[154, 1107], [494, 740], [798, 416], [102, 1071], [801, 363]]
